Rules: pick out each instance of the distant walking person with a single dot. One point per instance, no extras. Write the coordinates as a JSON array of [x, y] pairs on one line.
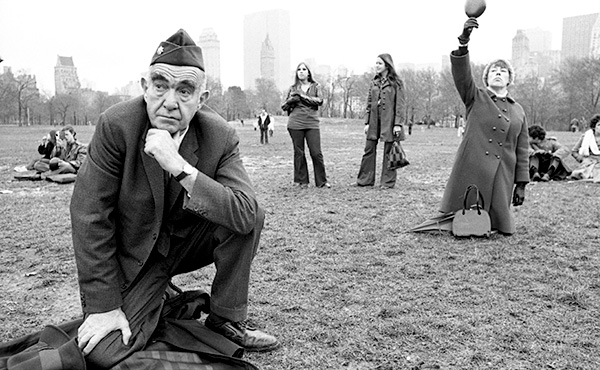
[[460, 126], [302, 104], [264, 121], [385, 105]]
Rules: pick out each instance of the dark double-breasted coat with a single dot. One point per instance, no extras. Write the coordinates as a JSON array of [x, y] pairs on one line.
[[118, 203], [494, 151], [390, 97]]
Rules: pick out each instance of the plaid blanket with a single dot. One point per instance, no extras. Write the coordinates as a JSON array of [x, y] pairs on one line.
[[170, 360]]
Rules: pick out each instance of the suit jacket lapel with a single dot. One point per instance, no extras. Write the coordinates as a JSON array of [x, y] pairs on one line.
[[156, 178]]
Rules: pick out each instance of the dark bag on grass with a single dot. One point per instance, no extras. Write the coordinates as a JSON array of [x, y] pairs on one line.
[[473, 221], [50, 349], [180, 341], [397, 158]]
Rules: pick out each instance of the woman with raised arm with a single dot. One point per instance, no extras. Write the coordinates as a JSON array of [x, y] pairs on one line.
[[494, 152]]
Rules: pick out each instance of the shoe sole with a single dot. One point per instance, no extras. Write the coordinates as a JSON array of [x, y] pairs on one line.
[[263, 349]]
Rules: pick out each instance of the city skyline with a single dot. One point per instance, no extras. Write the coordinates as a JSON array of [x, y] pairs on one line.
[[110, 49]]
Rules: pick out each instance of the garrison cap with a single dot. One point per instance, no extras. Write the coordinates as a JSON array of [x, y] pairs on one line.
[[179, 50]]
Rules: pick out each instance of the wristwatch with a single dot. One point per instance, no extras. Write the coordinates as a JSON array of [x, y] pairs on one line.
[[187, 170]]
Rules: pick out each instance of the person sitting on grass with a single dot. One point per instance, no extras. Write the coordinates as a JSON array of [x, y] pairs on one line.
[[68, 156], [546, 156], [46, 149], [586, 152]]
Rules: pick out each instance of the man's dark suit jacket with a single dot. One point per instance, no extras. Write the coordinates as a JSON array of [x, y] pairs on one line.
[[118, 203]]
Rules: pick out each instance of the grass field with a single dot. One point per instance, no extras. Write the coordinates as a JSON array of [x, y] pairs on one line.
[[339, 279]]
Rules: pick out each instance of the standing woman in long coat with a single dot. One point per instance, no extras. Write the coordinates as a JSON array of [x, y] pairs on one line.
[[494, 152], [384, 118]]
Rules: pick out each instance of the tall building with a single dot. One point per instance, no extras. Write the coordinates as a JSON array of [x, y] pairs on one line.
[[211, 52], [267, 60], [595, 46], [275, 23], [520, 49], [65, 76], [540, 61], [539, 40], [578, 36]]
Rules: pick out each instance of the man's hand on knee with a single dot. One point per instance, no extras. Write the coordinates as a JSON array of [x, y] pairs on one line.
[[98, 325]]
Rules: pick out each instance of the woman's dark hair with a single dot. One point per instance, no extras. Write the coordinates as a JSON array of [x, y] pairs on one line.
[[392, 75], [594, 121], [53, 136], [309, 78], [537, 132]]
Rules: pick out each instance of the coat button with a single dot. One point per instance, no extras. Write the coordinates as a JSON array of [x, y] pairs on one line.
[[154, 236], [497, 156], [140, 263], [500, 144], [499, 116], [490, 140], [487, 153], [123, 286], [494, 128]]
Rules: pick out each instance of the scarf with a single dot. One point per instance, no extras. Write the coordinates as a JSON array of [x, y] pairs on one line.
[[589, 144]]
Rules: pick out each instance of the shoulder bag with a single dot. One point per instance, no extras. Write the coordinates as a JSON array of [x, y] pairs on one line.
[[397, 158], [473, 221]]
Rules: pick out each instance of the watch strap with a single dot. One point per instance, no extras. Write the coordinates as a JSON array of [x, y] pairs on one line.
[[181, 176]]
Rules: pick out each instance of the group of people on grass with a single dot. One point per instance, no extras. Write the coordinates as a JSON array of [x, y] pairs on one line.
[[61, 153], [498, 152], [547, 157], [383, 122], [163, 191]]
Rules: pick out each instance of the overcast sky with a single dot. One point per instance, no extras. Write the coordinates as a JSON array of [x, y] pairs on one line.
[[112, 41]]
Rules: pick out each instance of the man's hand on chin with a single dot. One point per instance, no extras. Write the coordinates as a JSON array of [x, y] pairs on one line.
[[162, 147], [98, 325]]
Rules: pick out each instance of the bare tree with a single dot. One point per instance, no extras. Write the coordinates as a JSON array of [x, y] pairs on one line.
[[448, 103], [267, 96], [62, 103], [216, 99], [236, 105], [26, 90], [346, 84], [7, 96], [328, 87], [580, 80]]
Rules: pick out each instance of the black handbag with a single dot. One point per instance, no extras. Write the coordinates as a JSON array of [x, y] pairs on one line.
[[473, 221], [397, 158]]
